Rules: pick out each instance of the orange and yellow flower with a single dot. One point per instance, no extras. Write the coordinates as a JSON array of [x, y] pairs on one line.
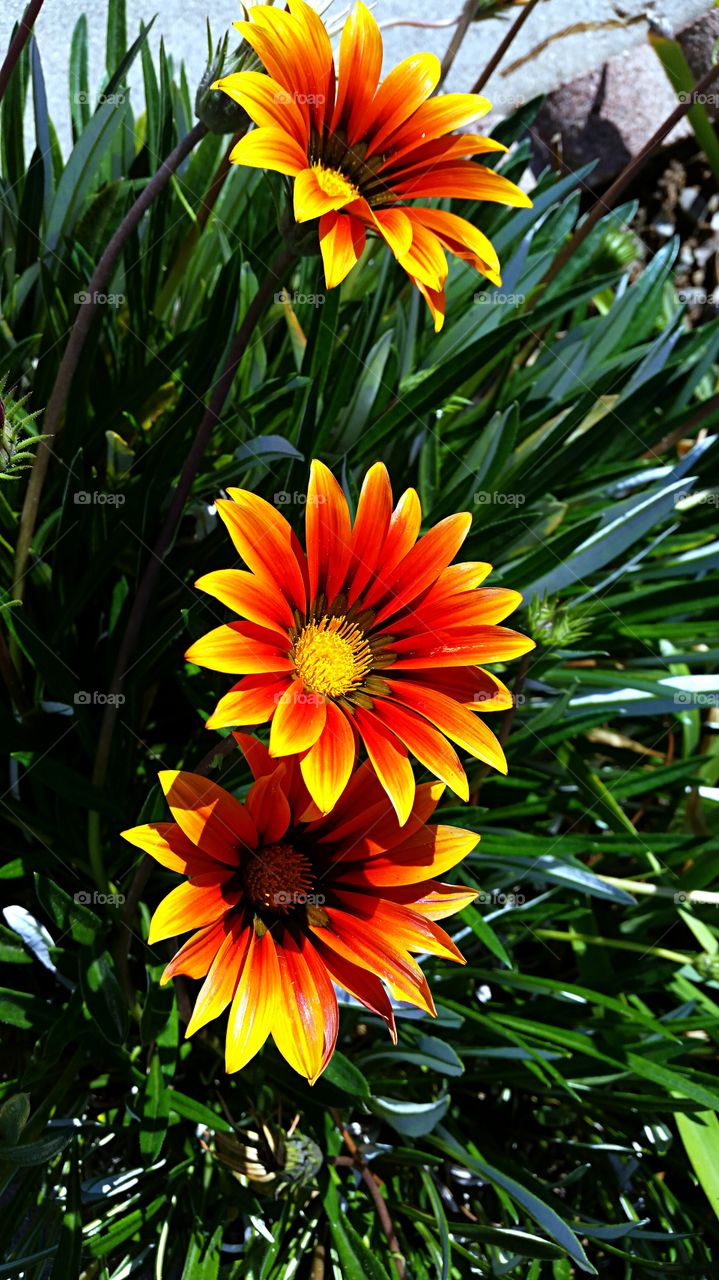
[[283, 903], [359, 150], [371, 637]]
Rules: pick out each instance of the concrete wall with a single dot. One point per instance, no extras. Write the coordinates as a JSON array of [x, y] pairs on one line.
[[592, 31]]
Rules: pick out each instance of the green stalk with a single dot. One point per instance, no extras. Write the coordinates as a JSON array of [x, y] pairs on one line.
[[679, 74]]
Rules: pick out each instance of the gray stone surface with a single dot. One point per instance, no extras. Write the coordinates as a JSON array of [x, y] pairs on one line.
[[544, 61]]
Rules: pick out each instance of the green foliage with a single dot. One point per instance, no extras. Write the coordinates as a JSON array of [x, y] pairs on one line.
[[558, 1117], [18, 437]]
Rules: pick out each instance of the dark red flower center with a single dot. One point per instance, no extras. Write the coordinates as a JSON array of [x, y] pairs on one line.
[[278, 878]]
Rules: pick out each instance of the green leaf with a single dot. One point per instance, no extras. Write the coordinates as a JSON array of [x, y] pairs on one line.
[[70, 915], [544, 1214], [104, 999], [343, 1074], [154, 1112], [411, 1119], [203, 1256]]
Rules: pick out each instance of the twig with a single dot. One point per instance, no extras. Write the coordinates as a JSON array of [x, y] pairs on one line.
[[463, 24], [146, 588], [18, 42], [630, 171], [503, 46], [13, 684], [78, 336], [372, 1185]]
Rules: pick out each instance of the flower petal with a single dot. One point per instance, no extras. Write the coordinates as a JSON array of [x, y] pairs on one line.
[[269, 807], [252, 701], [388, 756], [351, 939], [298, 720], [266, 103], [196, 955], [328, 532], [464, 179], [168, 845], [255, 1002], [192, 904], [437, 900], [369, 532], [240, 648], [435, 118], [469, 685], [360, 983], [373, 828], [312, 201], [428, 852], [219, 985], [251, 597], [420, 567], [403, 530], [483, 644], [360, 65], [462, 726], [328, 764], [298, 1026], [342, 242], [209, 816], [270, 148], [425, 259], [408, 930], [425, 742], [267, 544], [436, 300], [407, 86], [462, 239]]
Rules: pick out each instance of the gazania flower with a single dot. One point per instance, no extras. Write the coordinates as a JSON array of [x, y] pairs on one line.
[[283, 903], [371, 637], [359, 150]]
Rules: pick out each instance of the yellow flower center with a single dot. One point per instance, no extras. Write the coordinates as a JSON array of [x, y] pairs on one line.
[[334, 183], [278, 878], [332, 656]]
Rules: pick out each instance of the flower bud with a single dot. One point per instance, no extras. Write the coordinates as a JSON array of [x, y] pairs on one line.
[[213, 107]]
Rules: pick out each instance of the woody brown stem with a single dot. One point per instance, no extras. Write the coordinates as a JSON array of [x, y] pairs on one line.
[[18, 42]]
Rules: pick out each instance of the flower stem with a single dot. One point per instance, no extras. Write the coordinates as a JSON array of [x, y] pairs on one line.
[[18, 42], [463, 24], [146, 588], [502, 48], [78, 336], [607, 201]]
